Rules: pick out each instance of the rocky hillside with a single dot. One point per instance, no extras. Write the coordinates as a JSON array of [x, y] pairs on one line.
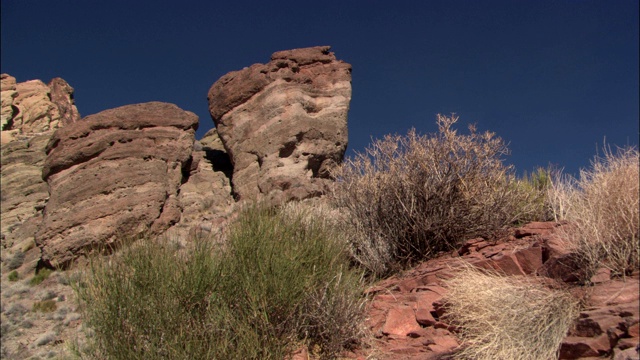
[[72, 186]]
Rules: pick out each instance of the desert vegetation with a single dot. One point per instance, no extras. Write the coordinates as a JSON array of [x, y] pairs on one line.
[[411, 197], [501, 317], [293, 276], [602, 205], [277, 283]]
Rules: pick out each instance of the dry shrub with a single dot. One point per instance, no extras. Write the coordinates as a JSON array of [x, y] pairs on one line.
[[502, 317], [603, 207], [280, 280], [409, 197]]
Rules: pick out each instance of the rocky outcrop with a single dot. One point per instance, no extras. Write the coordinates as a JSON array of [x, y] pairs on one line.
[[205, 198], [23, 191], [407, 315], [31, 112], [62, 95], [38, 107], [113, 175], [284, 123], [8, 93]]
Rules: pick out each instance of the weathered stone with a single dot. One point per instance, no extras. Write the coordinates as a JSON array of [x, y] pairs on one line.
[[580, 347], [114, 175], [205, 197], [23, 191], [284, 124], [632, 353], [7, 94], [401, 321], [615, 292], [62, 95], [32, 107]]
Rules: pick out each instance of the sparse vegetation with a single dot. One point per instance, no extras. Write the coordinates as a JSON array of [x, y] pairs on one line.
[[16, 261], [278, 283], [13, 276], [45, 306], [40, 276], [410, 197], [502, 317], [602, 206]]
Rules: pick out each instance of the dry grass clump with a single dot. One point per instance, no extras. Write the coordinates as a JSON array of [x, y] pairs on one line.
[[409, 197], [503, 317], [602, 204]]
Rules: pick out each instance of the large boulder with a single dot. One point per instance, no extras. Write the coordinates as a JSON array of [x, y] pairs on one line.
[[284, 123], [113, 176]]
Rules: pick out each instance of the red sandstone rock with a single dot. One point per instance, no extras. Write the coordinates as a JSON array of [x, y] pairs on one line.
[[610, 324], [400, 321], [580, 347]]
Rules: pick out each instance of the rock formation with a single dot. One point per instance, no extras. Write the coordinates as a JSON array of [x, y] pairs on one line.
[[205, 198], [113, 175], [8, 94], [31, 111], [284, 123], [36, 107]]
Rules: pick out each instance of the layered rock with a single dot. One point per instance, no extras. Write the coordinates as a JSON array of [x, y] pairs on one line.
[[205, 197], [31, 111], [41, 108], [113, 175], [284, 123], [8, 93]]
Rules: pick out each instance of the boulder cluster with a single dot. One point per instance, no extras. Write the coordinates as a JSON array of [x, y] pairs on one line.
[[72, 185]]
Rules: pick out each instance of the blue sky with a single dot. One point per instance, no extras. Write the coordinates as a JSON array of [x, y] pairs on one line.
[[552, 78]]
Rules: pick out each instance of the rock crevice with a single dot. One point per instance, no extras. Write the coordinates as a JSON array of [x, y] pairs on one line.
[[284, 123]]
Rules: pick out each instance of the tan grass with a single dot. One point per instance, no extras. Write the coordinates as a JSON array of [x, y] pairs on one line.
[[602, 204], [503, 317]]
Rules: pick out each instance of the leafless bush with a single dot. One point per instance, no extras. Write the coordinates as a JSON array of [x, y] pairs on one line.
[[503, 317], [603, 206], [409, 197]]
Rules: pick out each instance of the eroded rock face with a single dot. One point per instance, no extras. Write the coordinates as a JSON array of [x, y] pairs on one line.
[[205, 198], [284, 123], [113, 175], [8, 93], [31, 112], [43, 108]]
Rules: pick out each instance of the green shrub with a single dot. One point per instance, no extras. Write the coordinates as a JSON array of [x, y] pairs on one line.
[[44, 306], [40, 276], [501, 317], [602, 205], [275, 284], [13, 276], [533, 189], [408, 198]]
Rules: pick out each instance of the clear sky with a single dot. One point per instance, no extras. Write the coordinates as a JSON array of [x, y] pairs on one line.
[[552, 78]]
